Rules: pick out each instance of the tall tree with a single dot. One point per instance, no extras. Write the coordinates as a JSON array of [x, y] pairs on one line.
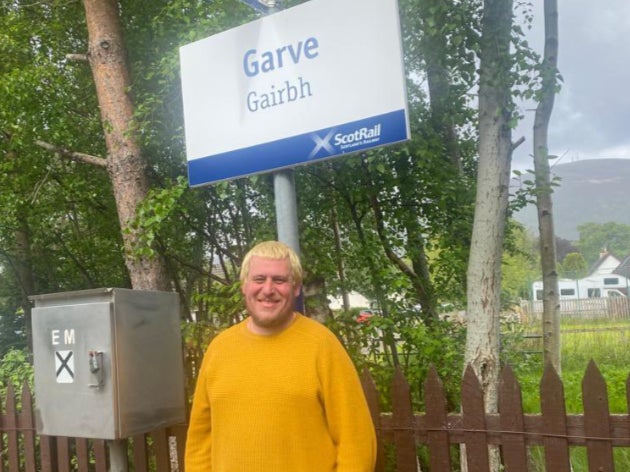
[[126, 164], [495, 152], [544, 201]]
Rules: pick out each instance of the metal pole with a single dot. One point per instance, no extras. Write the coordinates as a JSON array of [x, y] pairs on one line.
[[118, 455], [286, 216], [286, 209]]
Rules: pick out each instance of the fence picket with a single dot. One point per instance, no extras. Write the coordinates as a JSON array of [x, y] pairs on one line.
[[597, 420], [161, 450], [553, 410], [179, 432], [26, 423], [63, 454], [512, 422], [12, 437], [403, 422], [140, 453], [474, 423], [371, 395], [436, 422], [2, 436], [81, 448], [47, 453], [100, 455]]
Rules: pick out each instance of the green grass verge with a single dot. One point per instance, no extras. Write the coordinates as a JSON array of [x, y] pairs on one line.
[[603, 341]]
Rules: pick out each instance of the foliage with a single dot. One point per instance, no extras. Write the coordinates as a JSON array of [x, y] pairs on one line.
[[56, 221], [563, 248], [520, 266], [526, 192], [574, 266], [611, 237], [12, 330], [418, 347], [15, 369]]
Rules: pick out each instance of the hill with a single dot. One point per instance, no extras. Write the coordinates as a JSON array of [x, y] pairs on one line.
[[590, 191]]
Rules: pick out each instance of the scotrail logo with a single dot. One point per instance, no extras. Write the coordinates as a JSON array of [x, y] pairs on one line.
[[359, 138], [322, 144]]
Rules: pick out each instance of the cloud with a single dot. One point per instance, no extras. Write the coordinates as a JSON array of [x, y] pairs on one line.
[[592, 111]]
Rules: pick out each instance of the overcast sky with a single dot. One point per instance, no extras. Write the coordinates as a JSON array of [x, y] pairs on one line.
[[591, 116]]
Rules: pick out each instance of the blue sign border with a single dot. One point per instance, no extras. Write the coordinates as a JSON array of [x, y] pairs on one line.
[[305, 148]]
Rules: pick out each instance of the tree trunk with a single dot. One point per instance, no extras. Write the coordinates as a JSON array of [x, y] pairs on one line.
[[544, 203], [24, 273], [495, 152], [126, 166], [419, 274], [439, 82]]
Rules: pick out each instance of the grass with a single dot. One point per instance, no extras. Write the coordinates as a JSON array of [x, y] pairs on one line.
[[603, 341]]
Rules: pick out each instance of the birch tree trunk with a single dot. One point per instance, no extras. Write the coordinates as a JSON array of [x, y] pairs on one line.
[[544, 202], [126, 166], [495, 152]]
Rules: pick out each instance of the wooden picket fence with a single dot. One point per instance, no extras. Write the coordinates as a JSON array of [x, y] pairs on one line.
[[21, 449], [400, 432], [513, 431]]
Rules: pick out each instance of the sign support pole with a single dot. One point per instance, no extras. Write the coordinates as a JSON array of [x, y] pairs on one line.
[[286, 217], [286, 208]]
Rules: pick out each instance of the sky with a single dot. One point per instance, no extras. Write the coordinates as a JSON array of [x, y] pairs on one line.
[[591, 115]]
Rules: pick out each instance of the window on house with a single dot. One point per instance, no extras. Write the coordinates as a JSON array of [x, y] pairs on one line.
[[611, 281], [567, 292]]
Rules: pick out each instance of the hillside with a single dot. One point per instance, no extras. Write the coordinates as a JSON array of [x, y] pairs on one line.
[[591, 191]]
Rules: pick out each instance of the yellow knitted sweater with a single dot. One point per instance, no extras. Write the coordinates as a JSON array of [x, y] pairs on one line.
[[290, 402]]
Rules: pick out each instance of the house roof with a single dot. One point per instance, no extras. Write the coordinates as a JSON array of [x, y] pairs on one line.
[[603, 258], [623, 269]]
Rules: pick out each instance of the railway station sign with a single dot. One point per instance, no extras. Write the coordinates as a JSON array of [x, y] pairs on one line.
[[319, 80]]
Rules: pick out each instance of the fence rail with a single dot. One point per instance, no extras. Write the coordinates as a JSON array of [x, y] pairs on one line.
[[581, 308], [402, 430]]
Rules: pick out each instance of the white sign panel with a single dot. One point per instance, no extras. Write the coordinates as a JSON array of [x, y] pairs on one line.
[[315, 81], [64, 366]]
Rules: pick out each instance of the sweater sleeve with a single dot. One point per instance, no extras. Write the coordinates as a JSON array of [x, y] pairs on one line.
[[198, 440], [347, 413]]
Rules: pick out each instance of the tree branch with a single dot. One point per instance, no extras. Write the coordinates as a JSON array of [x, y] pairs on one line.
[[518, 142], [75, 156], [77, 57]]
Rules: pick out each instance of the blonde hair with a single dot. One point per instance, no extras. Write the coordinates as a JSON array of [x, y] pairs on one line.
[[273, 250]]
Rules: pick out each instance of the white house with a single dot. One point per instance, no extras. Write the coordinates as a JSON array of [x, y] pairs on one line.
[[608, 277]]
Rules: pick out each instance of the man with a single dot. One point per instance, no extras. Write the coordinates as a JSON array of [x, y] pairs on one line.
[[277, 392]]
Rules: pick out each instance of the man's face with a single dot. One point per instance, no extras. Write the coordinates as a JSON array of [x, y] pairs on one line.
[[270, 295]]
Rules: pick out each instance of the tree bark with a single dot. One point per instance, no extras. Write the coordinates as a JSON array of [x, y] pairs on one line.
[[126, 165], [439, 83], [24, 273], [544, 201], [495, 152]]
